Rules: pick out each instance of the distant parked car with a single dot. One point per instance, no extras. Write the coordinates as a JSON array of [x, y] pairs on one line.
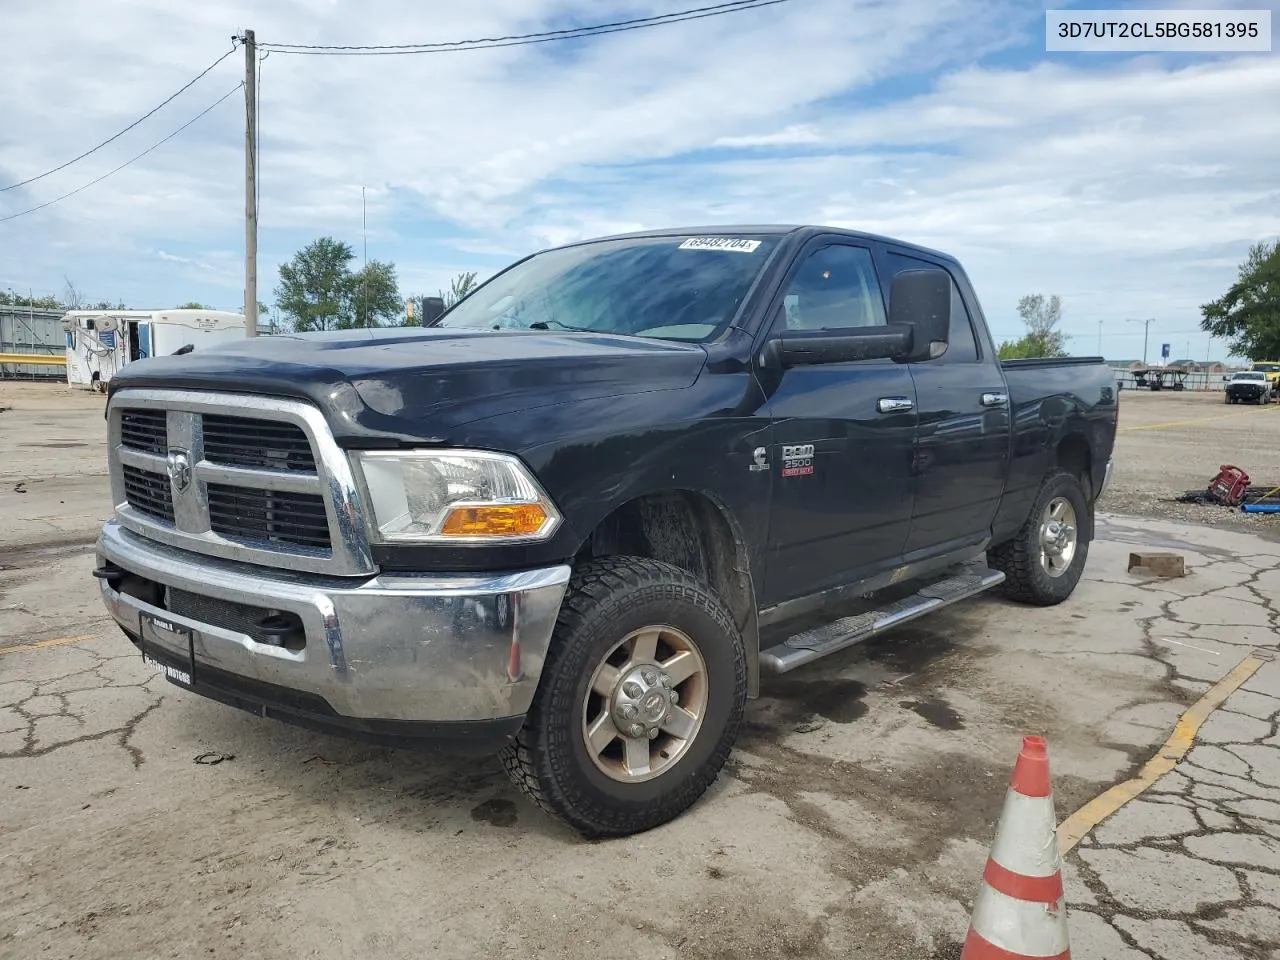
[[1248, 386]]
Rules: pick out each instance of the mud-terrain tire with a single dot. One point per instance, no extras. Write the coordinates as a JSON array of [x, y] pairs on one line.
[[615, 610], [1033, 573]]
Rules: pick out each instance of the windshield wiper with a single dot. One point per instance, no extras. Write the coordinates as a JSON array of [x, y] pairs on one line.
[[546, 325]]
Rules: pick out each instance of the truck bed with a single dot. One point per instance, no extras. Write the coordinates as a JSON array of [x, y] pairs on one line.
[[1035, 362]]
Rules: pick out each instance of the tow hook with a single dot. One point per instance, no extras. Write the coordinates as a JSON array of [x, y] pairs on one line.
[[281, 630], [110, 573]]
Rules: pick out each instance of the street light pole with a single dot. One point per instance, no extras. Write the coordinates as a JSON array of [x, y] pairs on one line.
[[1146, 330], [250, 186]]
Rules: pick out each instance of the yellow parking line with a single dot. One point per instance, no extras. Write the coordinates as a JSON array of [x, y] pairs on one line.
[[1187, 423], [1074, 829], [44, 643]]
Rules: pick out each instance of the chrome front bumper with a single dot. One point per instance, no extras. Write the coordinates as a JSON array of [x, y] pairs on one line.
[[401, 648], [1106, 480]]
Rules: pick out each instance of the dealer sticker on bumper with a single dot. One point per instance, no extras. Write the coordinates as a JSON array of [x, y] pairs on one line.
[[173, 673]]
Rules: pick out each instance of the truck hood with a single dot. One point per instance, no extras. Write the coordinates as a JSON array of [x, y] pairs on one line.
[[417, 384]]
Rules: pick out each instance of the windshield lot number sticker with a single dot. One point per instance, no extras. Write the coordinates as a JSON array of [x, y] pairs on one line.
[[720, 243], [797, 460]]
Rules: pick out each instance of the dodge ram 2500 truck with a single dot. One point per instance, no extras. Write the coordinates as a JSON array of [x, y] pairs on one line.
[[577, 519]]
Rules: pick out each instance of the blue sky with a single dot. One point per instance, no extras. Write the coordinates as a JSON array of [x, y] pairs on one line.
[[1131, 185]]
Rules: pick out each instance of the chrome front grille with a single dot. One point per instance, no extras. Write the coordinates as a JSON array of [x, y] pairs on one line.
[[255, 479], [145, 430], [271, 445], [270, 515], [148, 493]]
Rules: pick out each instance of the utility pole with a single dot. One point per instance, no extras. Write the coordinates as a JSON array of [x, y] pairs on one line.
[[1146, 329], [364, 227], [1099, 338], [250, 185]]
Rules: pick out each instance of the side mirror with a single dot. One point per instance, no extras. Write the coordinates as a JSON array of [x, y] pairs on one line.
[[920, 300], [432, 310]]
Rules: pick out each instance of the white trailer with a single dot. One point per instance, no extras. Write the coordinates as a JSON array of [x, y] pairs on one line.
[[100, 342]]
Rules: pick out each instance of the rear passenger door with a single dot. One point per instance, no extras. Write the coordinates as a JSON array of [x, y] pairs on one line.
[[962, 442]]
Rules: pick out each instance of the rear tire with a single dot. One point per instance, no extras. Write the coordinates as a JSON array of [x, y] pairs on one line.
[[631, 633], [1043, 563]]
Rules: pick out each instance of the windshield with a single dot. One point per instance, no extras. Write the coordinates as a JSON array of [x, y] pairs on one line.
[[1267, 367], [1251, 376], [676, 288]]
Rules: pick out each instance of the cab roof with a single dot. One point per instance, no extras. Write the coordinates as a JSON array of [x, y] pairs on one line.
[[796, 232]]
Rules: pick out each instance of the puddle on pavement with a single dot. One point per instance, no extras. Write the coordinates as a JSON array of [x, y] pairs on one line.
[[796, 703], [496, 812], [936, 711], [913, 649]]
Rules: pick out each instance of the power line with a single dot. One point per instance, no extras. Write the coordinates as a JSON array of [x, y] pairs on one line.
[[170, 99], [158, 143], [518, 40]]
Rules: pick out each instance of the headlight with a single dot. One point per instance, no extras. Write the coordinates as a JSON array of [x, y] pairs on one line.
[[453, 496]]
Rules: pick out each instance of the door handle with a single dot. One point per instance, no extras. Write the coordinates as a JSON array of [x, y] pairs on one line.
[[994, 399], [894, 404]]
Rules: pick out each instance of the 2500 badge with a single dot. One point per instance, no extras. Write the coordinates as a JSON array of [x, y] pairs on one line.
[[797, 459]]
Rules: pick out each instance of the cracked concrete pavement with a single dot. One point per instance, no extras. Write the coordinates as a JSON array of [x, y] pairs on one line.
[[53, 475], [1192, 868], [852, 821]]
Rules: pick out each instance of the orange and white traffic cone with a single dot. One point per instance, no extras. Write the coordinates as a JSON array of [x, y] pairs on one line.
[[1020, 911]]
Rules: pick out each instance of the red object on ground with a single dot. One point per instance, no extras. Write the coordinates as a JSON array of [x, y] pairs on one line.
[[1229, 486]]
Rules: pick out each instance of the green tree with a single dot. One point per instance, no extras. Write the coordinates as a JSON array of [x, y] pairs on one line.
[[319, 291], [1247, 316], [374, 295], [193, 305], [459, 287], [1024, 348], [313, 285], [8, 298], [1043, 338]]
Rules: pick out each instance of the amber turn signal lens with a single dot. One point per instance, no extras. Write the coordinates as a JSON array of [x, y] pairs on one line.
[[499, 520]]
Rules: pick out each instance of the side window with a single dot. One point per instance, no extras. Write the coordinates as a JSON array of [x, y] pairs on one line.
[[963, 346], [835, 288]]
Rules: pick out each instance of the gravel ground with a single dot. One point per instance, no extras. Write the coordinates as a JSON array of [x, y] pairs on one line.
[[1170, 443]]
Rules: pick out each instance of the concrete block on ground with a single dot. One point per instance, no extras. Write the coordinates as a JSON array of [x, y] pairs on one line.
[[1158, 563]]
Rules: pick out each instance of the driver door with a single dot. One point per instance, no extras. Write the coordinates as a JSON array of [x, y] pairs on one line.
[[843, 435]]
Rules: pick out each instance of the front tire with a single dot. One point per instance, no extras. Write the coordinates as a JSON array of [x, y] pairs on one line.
[[1043, 563], [639, 703]]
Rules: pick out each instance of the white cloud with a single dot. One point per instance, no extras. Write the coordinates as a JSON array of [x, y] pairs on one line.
[[1130, 187]]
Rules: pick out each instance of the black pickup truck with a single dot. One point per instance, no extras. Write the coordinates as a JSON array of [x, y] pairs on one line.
[[577, 518]]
